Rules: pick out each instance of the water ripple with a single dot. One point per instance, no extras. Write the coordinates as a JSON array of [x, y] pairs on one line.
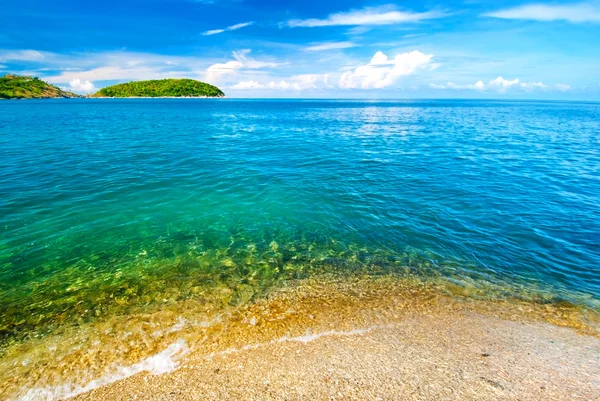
[[507, 192]]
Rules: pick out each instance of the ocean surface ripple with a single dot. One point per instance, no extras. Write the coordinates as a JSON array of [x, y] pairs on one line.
[[105, 201]]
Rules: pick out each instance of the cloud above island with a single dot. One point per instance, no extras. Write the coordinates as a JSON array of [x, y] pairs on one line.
[[241, 61], [79, 86]]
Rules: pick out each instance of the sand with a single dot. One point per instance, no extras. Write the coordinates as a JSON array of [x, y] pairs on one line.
[[351, 343]]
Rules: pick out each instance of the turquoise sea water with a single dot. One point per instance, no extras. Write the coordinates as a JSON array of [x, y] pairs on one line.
[[109, 205]]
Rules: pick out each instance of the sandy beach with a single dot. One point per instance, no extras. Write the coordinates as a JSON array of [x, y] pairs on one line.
[[382, 343], [428, 358]]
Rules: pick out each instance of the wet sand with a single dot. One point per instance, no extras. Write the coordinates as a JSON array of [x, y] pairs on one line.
[[385, 341]]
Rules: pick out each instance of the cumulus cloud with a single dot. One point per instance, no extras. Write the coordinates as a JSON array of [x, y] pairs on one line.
[[241, 61], [382, 71], [229, 28], [384, 15], [77, 85], [330, 46], [216, 71], [502, 85], [574, 13]]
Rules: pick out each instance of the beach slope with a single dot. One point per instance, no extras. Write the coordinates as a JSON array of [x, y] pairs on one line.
[[377, 346]]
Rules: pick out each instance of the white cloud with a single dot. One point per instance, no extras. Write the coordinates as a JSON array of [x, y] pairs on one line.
[[123, 66], [250, 63], [479, 85], [240, 25], [248, 85], [330, 46], [530, 86], [77, 85], [502, 85], [383, 15], [437, 86], [293, 83], [120, 66], [117, 72], [21, 55], [575, 12], [242, 61], [229, 28], [213, 32], [358, 30], [297, 82], [216, 71], [382, 72]]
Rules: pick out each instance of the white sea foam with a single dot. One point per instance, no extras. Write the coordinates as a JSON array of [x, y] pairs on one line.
[[167, 361], [306, 338], [163, 362]]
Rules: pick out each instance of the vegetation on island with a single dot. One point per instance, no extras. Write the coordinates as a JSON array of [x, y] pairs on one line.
[[24, 87], [161, 88]]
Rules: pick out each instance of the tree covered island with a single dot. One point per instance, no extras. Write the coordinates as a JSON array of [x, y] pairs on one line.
[[161, 88], [25, 87]]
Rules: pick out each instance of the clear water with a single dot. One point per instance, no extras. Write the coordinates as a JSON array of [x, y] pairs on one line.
[[109, 206]]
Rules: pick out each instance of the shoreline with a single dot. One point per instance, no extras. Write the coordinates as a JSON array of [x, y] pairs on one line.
[[462, 357], [186, 343]]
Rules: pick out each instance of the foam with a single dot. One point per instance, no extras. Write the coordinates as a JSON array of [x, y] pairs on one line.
[[164, 362], [306, 338]]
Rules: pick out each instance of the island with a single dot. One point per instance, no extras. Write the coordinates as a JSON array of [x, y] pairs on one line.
[[25, 87], [161, 88]]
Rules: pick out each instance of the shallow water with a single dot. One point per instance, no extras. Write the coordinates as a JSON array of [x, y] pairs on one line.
[[115, 207]]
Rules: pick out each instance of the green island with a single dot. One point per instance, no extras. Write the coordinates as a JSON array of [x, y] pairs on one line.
[[161, 88], [25, 87]]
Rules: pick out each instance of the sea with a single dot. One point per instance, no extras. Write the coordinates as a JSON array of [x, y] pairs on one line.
[[112, 209]]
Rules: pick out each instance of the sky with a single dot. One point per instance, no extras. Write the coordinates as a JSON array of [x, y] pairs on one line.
[[311, 48]]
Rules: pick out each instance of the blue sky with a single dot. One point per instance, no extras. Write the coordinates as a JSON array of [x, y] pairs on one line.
[[269, 48]]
